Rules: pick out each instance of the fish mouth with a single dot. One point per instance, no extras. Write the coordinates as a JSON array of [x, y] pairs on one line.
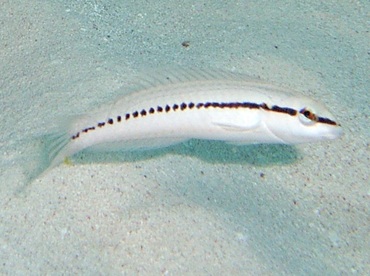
[[334, 133]]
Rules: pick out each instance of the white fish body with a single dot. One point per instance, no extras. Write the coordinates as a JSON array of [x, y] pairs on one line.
[[222, 108]]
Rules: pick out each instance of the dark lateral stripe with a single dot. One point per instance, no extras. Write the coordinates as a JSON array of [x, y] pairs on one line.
[[286, 110], [326, 121], [183, 106]]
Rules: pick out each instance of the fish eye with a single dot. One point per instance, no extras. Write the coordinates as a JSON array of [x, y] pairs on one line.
[[307, 117]]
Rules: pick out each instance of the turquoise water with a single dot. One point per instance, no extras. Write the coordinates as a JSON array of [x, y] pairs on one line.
[[200, 207]]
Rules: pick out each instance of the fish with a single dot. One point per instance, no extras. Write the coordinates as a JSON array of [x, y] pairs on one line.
[[198, 104]]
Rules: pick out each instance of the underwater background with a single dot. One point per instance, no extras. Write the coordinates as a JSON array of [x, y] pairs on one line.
[[198, 208]]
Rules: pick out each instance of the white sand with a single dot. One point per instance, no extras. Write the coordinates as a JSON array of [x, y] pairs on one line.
[[201, 207]]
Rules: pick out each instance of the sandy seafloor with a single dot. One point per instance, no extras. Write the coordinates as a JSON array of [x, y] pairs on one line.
[[200, 208]]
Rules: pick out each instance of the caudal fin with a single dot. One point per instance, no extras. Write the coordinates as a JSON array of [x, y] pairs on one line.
[[53, 151]]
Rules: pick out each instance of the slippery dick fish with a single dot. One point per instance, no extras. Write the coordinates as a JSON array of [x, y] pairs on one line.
[[212, 106]]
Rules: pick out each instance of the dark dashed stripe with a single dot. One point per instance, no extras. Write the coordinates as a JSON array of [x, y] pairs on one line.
[[286, 110], [326, 121], [191, 105]]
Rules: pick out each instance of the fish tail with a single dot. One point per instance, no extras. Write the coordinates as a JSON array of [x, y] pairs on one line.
[[58, 149], [54, 149]]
